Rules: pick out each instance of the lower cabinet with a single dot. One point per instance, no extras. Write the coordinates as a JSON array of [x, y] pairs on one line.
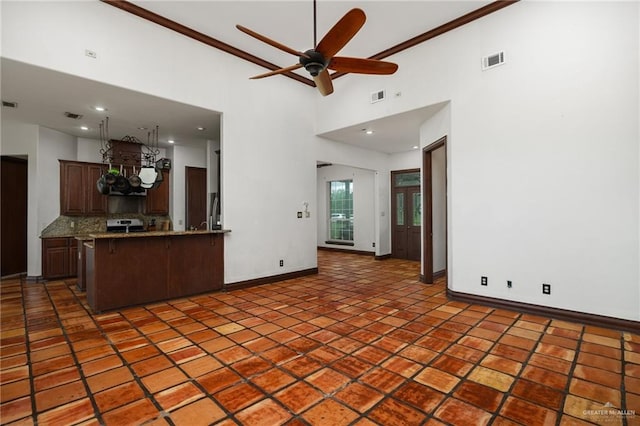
[[135, 270], [59, 257]]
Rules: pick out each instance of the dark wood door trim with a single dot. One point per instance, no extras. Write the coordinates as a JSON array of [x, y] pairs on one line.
[[427, 202], [427, 223]]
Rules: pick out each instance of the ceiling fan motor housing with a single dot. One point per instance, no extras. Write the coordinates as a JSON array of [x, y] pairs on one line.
[[313, 62]]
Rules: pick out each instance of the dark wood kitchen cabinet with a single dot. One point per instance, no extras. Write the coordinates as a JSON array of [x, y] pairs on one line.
[[59, 257], [131, 269], [157, 200], [79, 195]]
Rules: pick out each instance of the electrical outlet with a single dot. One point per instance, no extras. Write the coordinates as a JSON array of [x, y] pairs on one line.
[[484, 281], [509, 284], [373, 245], [281, 263], [546, 288]]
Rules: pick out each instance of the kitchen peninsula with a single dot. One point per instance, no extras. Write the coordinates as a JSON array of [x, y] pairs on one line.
[[126, 269]]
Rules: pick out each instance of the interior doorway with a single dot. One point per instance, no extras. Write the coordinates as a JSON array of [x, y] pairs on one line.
[[434, 185], [406, 214], [196, 197], [13, 214]]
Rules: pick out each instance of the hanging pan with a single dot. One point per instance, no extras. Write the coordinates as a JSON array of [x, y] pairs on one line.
[[122, 183]]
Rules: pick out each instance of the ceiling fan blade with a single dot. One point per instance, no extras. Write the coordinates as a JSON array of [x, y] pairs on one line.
[[275, 72], [269, 41], [361, 65], [341, 33], [323, 83]]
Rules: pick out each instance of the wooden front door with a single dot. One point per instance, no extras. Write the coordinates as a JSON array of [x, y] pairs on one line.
[[14, 216], [406, 207], [196, 197]]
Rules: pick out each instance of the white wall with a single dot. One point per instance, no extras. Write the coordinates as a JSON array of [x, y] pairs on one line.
[[43, 147], [22, 139], [434, 129], [262, 187], [364, 214], [339, 153], [381, 164], [52, 146], [88, 150], [543, 150], [405, 160], [543, 155]]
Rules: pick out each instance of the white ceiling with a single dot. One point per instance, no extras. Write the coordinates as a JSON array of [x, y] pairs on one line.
[[291, 22], [44, 95]]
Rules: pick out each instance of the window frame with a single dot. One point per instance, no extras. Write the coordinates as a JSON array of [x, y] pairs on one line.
[[332, 238]]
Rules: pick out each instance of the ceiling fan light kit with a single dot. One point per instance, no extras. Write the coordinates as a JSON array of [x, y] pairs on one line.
[[319, 60]]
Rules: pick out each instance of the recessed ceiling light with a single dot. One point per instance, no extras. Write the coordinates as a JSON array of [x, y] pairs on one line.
[[171, 141], [369, 132], [142, 128], [99, 108], [201, 128], [84, 128], [416, 147]]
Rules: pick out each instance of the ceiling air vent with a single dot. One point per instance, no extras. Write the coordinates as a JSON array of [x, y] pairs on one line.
[[9, 104], [377, 96], [73, 115], [492, 60]]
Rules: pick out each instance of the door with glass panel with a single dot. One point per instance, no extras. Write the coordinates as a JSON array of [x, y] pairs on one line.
[[406, 217]]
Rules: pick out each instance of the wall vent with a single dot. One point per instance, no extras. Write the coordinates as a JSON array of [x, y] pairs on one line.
[[73, 115], [378, 96], [494, 60], [9, 104]]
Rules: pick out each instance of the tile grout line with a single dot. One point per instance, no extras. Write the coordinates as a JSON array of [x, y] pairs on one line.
[[28, 352], [137, 379], [411, 378], [574, 364], [623, 390], [78, 365], [347, 300]]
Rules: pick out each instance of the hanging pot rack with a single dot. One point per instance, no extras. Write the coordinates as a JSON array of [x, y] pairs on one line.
[[147, 155]]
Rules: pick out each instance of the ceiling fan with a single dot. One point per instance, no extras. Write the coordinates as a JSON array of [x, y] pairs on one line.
[[321, 58]]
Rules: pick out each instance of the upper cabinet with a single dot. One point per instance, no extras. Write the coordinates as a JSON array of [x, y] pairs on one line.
[[157, 199], [79, 195]]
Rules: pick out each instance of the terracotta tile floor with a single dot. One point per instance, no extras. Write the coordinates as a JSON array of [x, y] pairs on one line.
[[361, 343]]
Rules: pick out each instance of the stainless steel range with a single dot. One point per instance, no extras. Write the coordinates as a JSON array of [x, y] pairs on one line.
[[125, 225]]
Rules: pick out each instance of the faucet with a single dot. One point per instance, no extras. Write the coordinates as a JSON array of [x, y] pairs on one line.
[[204, 222]]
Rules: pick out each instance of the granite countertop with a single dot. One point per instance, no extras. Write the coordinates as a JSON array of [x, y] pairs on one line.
[[80, 227], [155, 233], [77, 236]]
